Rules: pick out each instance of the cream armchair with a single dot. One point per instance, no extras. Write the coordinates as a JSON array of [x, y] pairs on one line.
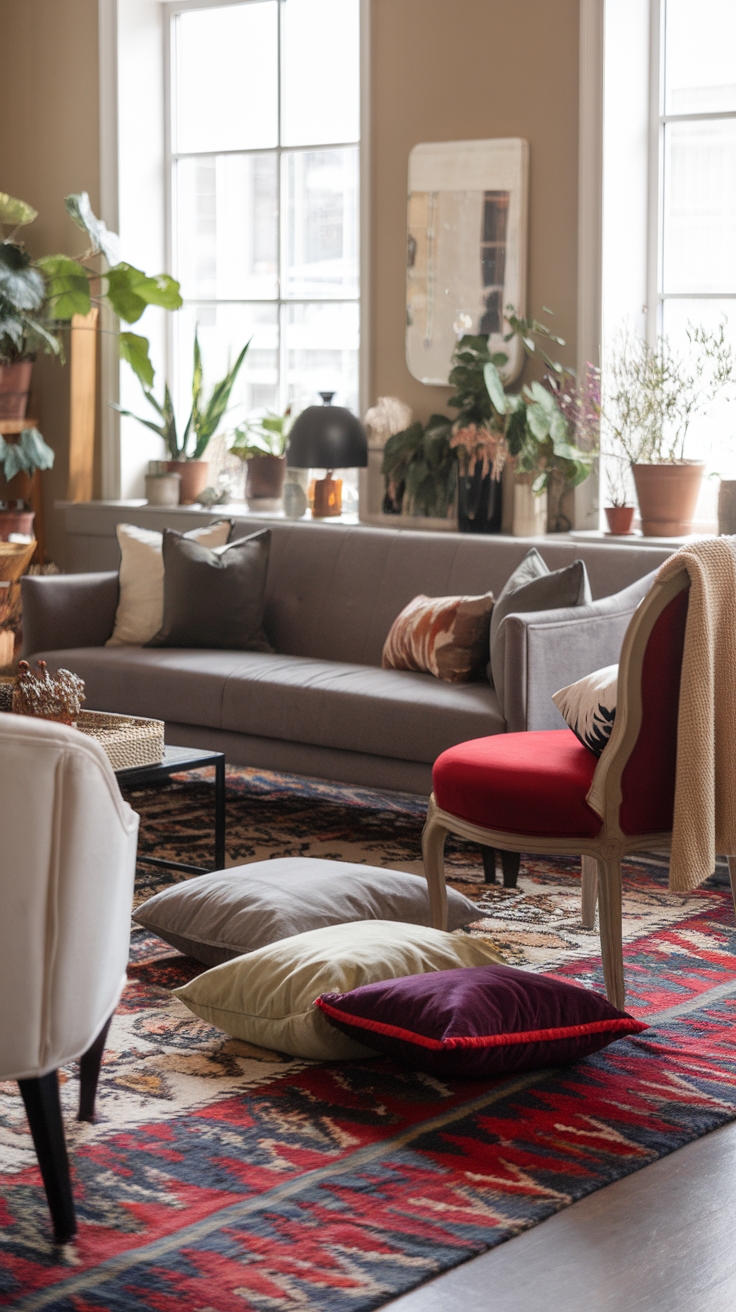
[[68, 844]]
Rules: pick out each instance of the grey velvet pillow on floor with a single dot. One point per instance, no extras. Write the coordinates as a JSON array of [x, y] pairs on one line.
[[533, 587], [223, 915], [213, 597]]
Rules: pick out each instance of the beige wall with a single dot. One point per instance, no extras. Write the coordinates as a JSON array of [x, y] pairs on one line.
[[454, 70], [440, 70], [48, 148]]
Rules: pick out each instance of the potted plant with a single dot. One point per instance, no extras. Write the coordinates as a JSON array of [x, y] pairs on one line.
[[24, 456], [423, 466], [36, 296], [186, 452], [420, 470], [24, 326], [550, 447], [261, 444], [651, 397], [477, 437]]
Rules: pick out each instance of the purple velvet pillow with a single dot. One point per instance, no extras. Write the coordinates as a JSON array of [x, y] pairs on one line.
[[478, 1020]]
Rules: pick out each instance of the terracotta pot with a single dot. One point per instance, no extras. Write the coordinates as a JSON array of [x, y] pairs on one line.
[[265, 477], [667, 496], [620, 519], [16, 521], [193, 474], [15, 384]]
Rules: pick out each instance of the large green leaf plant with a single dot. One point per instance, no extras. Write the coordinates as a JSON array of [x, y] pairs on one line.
[[421, 464], [204, 416], [38, 296]]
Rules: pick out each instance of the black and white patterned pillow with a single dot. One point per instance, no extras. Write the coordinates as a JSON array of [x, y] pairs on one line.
[[589, 707]]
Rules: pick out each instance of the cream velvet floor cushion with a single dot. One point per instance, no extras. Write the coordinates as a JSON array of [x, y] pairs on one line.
[[267, 997], [140, 611], [220, 916]]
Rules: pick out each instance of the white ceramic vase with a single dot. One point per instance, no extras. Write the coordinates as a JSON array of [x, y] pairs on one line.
[[530, 511]]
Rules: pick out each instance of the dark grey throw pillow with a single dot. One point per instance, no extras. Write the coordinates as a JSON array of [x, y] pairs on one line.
[[214, 597], [533, 587]]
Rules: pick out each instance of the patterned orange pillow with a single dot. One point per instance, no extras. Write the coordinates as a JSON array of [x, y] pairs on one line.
[[444, 636]]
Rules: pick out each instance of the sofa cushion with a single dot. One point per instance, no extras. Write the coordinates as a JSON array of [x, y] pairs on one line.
[[532, 587], [443, 636], [165, 683], [356, 707], [393, 713], [141, 601], [213, 597]]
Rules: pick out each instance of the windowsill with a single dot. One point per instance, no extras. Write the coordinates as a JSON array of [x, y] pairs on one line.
[[233, 509], [635, 539]]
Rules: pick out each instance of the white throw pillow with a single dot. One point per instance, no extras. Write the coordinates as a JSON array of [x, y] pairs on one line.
[[140, 611], [589, 707], [267, 997]]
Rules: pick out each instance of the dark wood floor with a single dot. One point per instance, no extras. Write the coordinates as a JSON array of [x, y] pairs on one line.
[[661, 1240]]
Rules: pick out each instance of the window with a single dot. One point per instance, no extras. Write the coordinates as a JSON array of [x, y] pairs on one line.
[[264, 196], [696, 248], [697, 146], [669, 191]]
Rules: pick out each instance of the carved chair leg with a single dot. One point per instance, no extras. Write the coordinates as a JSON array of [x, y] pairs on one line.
[[609, 902], [43, 1109], [489, 864], [510, 862], [732, 877], [589, 875], [433, 852], [89, 1074]]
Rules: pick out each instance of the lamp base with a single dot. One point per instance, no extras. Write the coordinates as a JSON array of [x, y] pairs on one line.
[[327, 498]]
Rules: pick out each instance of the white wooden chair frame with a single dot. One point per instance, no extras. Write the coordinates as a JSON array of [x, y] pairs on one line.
[[602, 855]]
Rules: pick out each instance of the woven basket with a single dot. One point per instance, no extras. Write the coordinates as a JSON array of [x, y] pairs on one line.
[[15, 557], [129, 741]]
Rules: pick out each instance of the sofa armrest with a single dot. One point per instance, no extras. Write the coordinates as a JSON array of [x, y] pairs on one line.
[[68, 610], [547, 650]]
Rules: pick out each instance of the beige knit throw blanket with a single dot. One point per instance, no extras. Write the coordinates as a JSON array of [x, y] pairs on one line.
[[705, 791]]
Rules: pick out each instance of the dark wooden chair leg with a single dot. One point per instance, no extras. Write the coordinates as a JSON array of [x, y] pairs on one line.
[[43, 1109], [510, 862], [489, 864], [89, 1074]]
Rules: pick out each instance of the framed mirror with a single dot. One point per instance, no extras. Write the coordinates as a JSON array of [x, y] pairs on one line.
[[466, 249]]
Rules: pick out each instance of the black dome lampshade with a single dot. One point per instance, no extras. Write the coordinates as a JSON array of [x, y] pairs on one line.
[[327, 437]]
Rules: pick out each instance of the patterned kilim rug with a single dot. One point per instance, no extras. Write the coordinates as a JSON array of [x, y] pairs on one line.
[[220, 1176]]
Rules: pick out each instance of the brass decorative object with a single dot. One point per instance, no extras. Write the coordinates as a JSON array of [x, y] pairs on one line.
[[48, 696]]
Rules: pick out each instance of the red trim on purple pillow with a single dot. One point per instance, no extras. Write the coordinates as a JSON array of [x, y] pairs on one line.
[[610, 1026]]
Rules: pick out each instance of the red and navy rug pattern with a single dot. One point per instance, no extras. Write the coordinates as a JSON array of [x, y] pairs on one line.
[[220, 1176]]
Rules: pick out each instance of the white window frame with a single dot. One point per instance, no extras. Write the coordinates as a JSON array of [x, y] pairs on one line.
[[118, 463], [658, 122], [170, 9]]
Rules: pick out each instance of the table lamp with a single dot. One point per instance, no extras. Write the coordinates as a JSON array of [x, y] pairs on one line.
[[327, 437]]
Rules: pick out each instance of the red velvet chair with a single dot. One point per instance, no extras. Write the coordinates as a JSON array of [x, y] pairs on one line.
[[545, 792]]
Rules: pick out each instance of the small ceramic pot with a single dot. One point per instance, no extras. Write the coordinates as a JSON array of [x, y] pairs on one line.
[[194, 475], [16, 521], [265, 478], [295, 501], [163, 489], [530, 511], [620, 519]]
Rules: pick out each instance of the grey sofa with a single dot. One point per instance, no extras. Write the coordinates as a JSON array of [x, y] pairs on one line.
[[322, 705]]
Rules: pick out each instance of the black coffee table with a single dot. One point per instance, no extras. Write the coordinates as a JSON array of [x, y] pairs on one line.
[[178, 760]]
